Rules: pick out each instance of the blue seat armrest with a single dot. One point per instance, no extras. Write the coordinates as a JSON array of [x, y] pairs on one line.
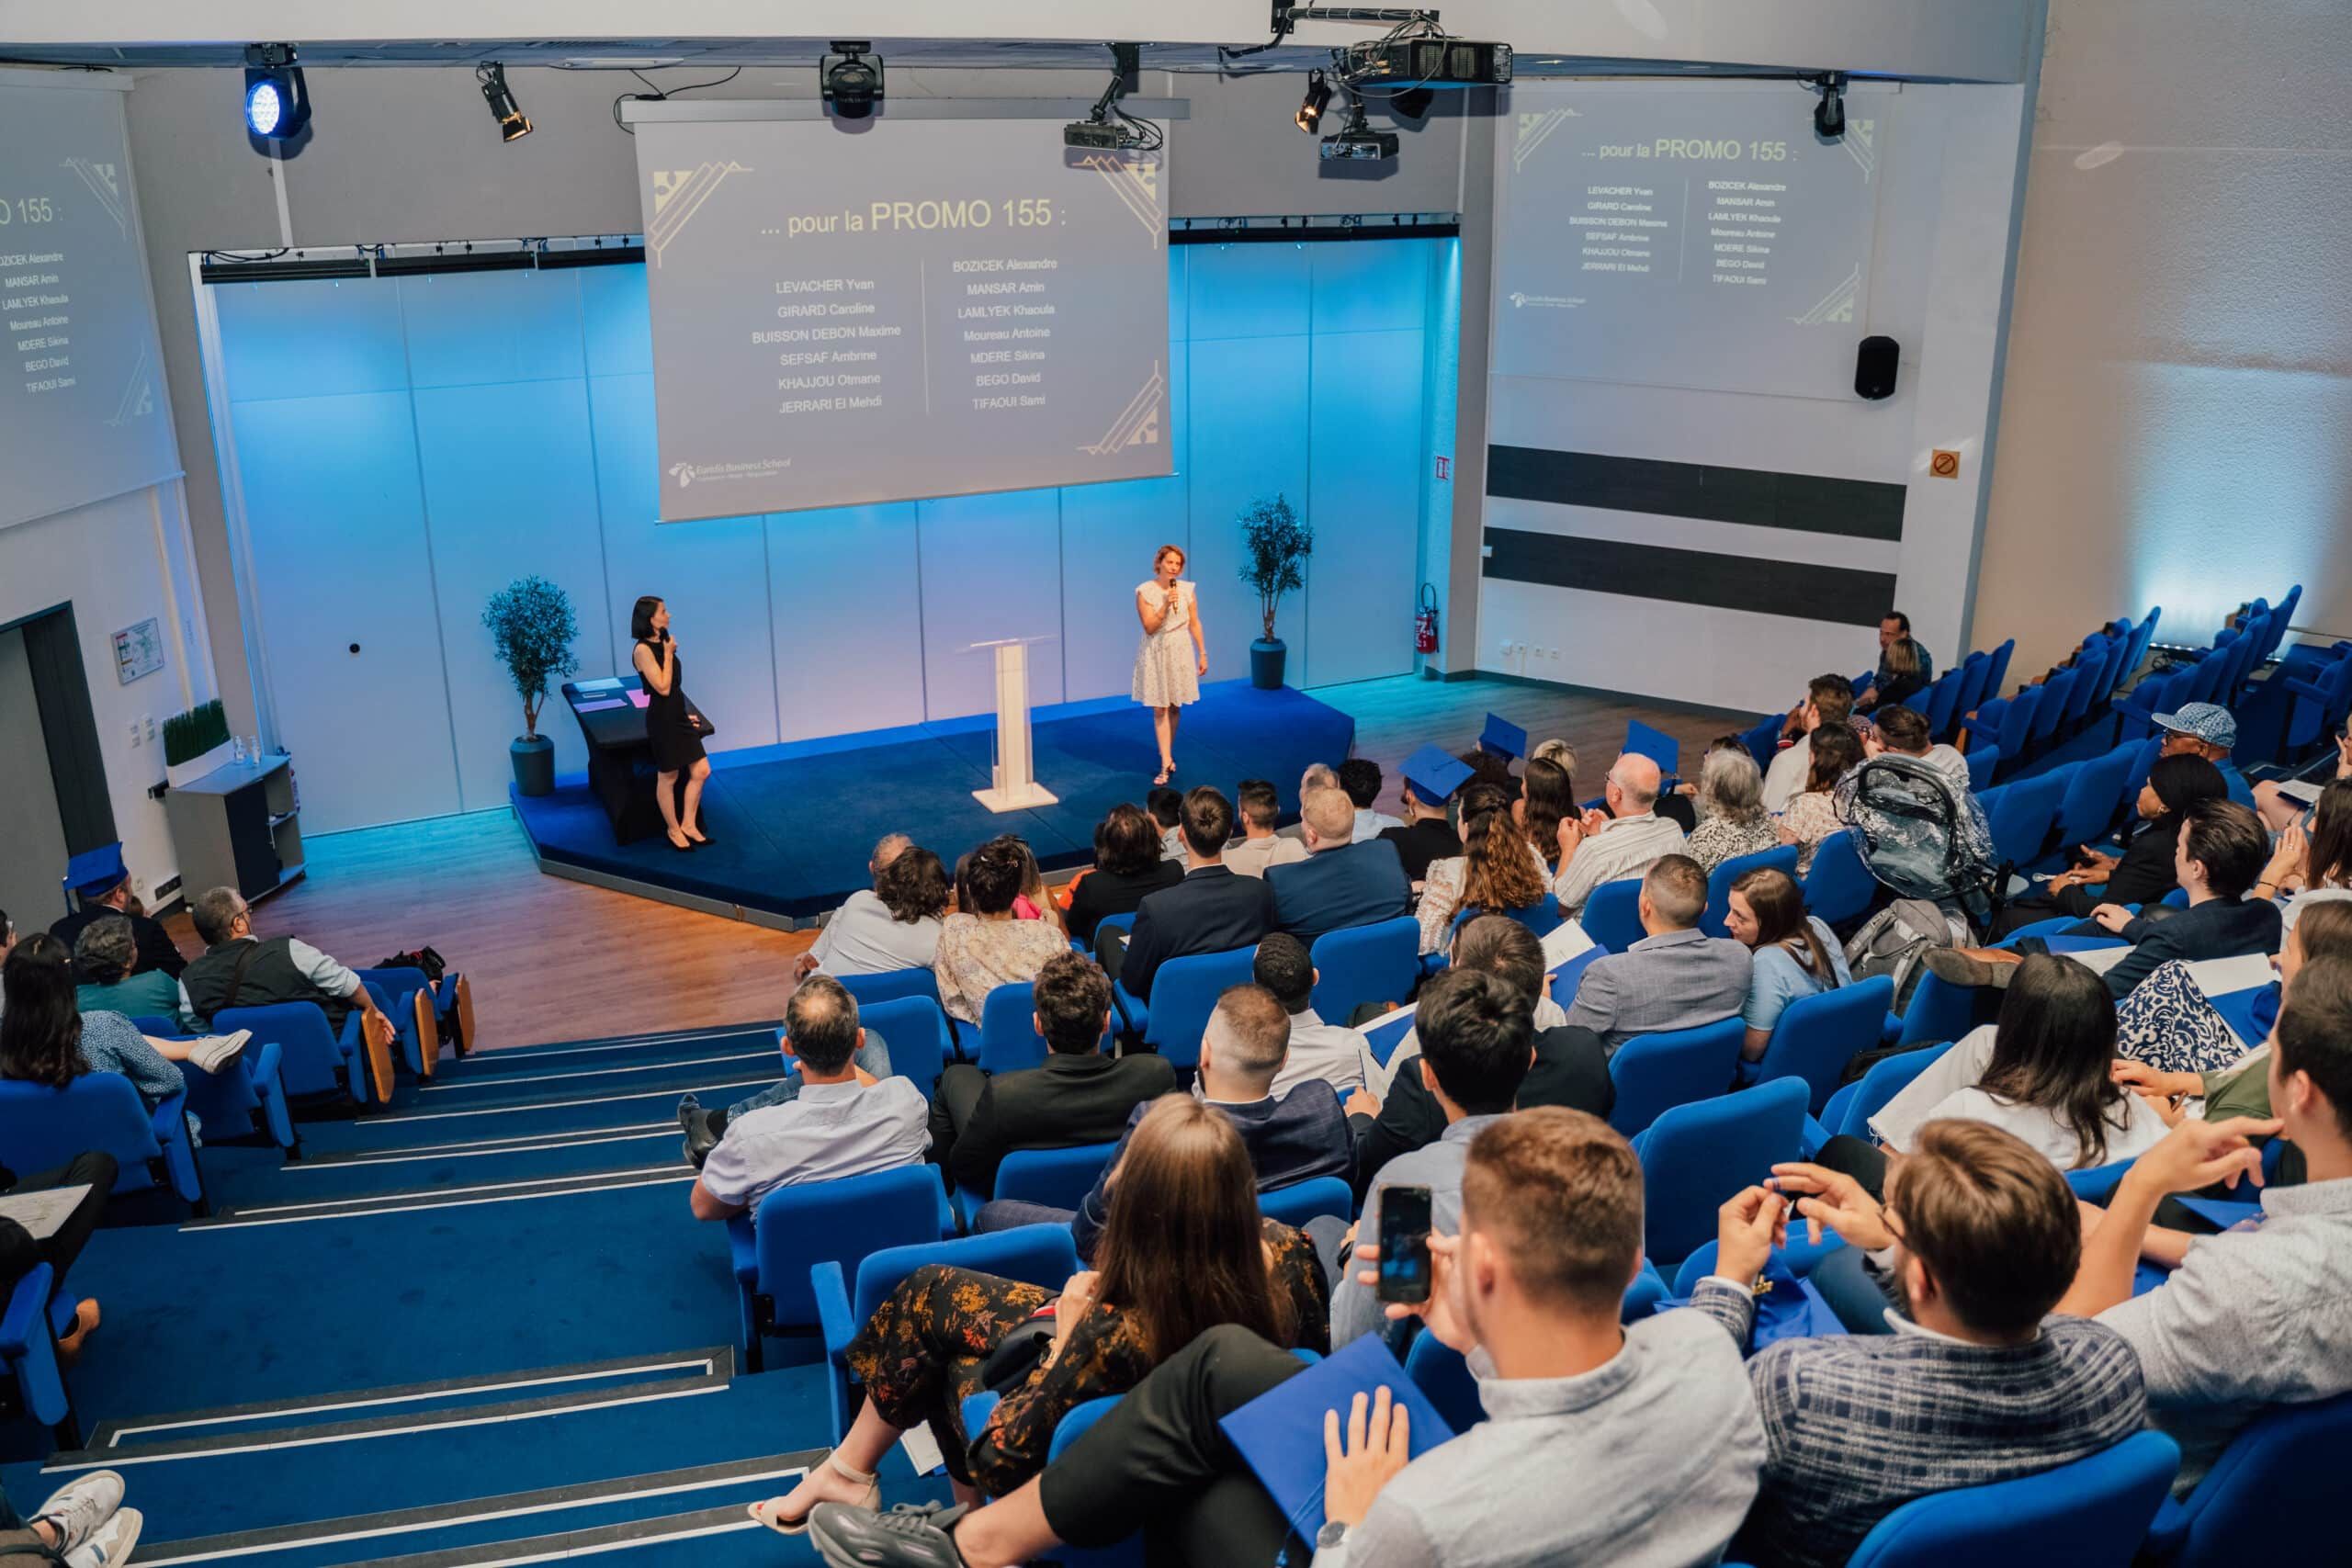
[[835, 1325], [1132, 1011], [1813, 1135], [2305, 689], [1891, 1032], [978, 1409], [744, 1250], [28, 1310], [2098, 1184], [2167, 1532]]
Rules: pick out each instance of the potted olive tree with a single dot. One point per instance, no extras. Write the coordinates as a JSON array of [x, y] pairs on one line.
[[1274, 547], [531, 621]]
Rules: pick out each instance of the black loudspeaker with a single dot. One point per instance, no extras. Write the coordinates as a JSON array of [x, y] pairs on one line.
[[1875, 365]]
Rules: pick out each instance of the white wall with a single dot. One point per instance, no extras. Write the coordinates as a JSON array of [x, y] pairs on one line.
[[2179, 388], [1948, 176]]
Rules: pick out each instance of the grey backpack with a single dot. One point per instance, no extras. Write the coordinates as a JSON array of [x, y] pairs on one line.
[[1897, 938]]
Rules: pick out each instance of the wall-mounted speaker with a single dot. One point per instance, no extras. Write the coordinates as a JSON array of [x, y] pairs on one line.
[[1875, 365]]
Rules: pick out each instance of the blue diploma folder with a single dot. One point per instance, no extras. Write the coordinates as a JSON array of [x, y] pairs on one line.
[[1280, 1433]]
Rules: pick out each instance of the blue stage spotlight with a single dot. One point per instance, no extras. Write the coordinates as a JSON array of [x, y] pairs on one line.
[[277, 104]]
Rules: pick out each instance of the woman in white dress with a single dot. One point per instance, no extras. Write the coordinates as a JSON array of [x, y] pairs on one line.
[[1172, 657]]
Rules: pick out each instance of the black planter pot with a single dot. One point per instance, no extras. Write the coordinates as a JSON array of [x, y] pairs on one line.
[[534, 766], [1266, 658]]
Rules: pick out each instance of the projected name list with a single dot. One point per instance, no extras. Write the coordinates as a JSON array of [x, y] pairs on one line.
[[821, 340]]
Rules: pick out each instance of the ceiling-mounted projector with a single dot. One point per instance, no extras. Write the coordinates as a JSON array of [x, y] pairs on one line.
[[1427, 62]]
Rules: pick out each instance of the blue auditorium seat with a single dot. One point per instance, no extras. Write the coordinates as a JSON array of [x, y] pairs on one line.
[[1611, 914], [1058, 1178], [917, 1032], [1009, 1037], [313, 1059], [1293, 1206], [801, 1226], [41, 1127], [2092, 1512], [1655, 1073], [1818, 1035], [2263, 1488], [1184, 994], [1694, 1157], [1839, 887], [1852, 1106], [37, 1313], [1378, 963]]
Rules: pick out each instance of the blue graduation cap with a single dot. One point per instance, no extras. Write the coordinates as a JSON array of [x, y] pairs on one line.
[[1655, 744], [1435, 774], [93, 874], [1503, 738]]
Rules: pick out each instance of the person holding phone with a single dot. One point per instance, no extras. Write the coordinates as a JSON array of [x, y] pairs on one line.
[[669, 724], [1172, 657]]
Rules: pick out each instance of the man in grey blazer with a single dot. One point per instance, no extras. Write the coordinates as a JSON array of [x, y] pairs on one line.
[[1676, 978]]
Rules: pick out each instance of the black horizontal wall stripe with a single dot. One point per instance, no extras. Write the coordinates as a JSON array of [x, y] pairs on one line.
[[1800, 589], [1859, 509]]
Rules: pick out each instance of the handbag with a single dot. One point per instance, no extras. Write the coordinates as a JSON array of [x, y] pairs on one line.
[[1019, 1354]]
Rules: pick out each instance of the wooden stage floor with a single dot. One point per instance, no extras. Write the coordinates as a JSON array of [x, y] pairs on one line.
[[552, 959]]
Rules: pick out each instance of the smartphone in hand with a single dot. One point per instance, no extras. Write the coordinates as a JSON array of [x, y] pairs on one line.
[[1404, 1274]]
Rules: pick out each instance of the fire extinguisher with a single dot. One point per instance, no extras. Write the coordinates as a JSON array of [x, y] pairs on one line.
[[1425, 622]]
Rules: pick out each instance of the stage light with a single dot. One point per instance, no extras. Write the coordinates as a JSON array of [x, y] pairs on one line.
[[513, 123], [852, 84], [277, 104], [1829, 115], [1317, 99]]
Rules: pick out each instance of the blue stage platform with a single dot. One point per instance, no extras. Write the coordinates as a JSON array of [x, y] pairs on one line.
[[793, 824]]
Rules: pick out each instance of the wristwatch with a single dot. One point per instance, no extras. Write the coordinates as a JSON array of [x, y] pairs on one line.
[[1333, 1532]]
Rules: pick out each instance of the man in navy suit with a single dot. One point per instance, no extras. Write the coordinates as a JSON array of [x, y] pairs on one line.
[[1213, 910], [1339, 882]]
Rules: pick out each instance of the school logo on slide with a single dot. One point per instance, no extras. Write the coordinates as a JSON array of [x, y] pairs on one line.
[[678, 195], [1534, 129], [1862, 146], [106, 184], [138, 397], [1134, 178], [1139, 422], [684, 473]]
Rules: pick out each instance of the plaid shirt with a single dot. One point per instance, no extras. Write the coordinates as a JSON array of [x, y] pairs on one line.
[[1859, 1425]]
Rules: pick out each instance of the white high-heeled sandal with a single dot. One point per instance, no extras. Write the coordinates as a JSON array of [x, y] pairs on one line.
[[872, 1501]]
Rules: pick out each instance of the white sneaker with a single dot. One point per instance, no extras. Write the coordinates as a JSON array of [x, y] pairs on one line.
[[81, 1505], [214, 1052], [111, 1546]]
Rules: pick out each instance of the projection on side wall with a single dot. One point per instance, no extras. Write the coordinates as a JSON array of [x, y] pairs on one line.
[[1684, 238], [908, 309]]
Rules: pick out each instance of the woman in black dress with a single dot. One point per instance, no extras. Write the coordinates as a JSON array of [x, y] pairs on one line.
[[677, 747]]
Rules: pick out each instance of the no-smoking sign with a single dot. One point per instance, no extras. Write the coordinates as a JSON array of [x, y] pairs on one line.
[[1943, 464]]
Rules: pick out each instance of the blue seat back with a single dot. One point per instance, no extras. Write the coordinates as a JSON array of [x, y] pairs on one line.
[[1543, 917], [1818, 1035], [804, 1224], [1764, 740], [2017, 720], [1442, 1374], [2021, 819], [1123, 924], [1378, 963], [2205, 679], [2263, 1486], [889, 984], [1695, 1157], [1850, 1109], [1184, 992], [1981, 763], [2056, 693], [1943, 697], [2090, 669], [1970, 691], [1655, 1073], [1058, 1178], [1297, 1204], [41, 1127], [1780, 857], [2090, 1513], [1941, 1011], [2135, 778], [2142, 636], [1996, 671], [1613, 914], [916, 1030], [1009, 1037], [309, 1058], [1839, 887], [2088, 807], [1035, 1255]]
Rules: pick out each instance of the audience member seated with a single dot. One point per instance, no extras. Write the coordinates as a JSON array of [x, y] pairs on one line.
[[2257, 1317], [1732, 818], [1623, 840], [892, 925], [1341, 883], [83, 1525], [1127, 865], [1796, 953], [2219, 857], [105, 890], [1035, 901], [45, 1039], [1211, 910], [1184, 1253], [1676, 978], [1547, 796], [19, 1252], [1813, 816], [871, 1062], [1905, 665], [1829, 701], [1506, 881], [242, 970], [1165, 807], [1330, 1052], [2313, 859], [1555, 751], [2144, 873], [1977, 1384], [2207, 730], [1904, 731], [1360, 778], [1475, 1050], [1079, 1096], [1569, 1067], [1633, 1444], [1291, 1138], [105, 955], [1260, 846], [985, 944], [1430, 780], [840, 1123], [2279, 809]]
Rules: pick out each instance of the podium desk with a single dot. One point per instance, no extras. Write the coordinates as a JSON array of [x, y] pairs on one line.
[[620, 759]]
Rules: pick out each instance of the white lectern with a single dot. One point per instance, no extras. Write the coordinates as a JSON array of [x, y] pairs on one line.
[[1015, 786]]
